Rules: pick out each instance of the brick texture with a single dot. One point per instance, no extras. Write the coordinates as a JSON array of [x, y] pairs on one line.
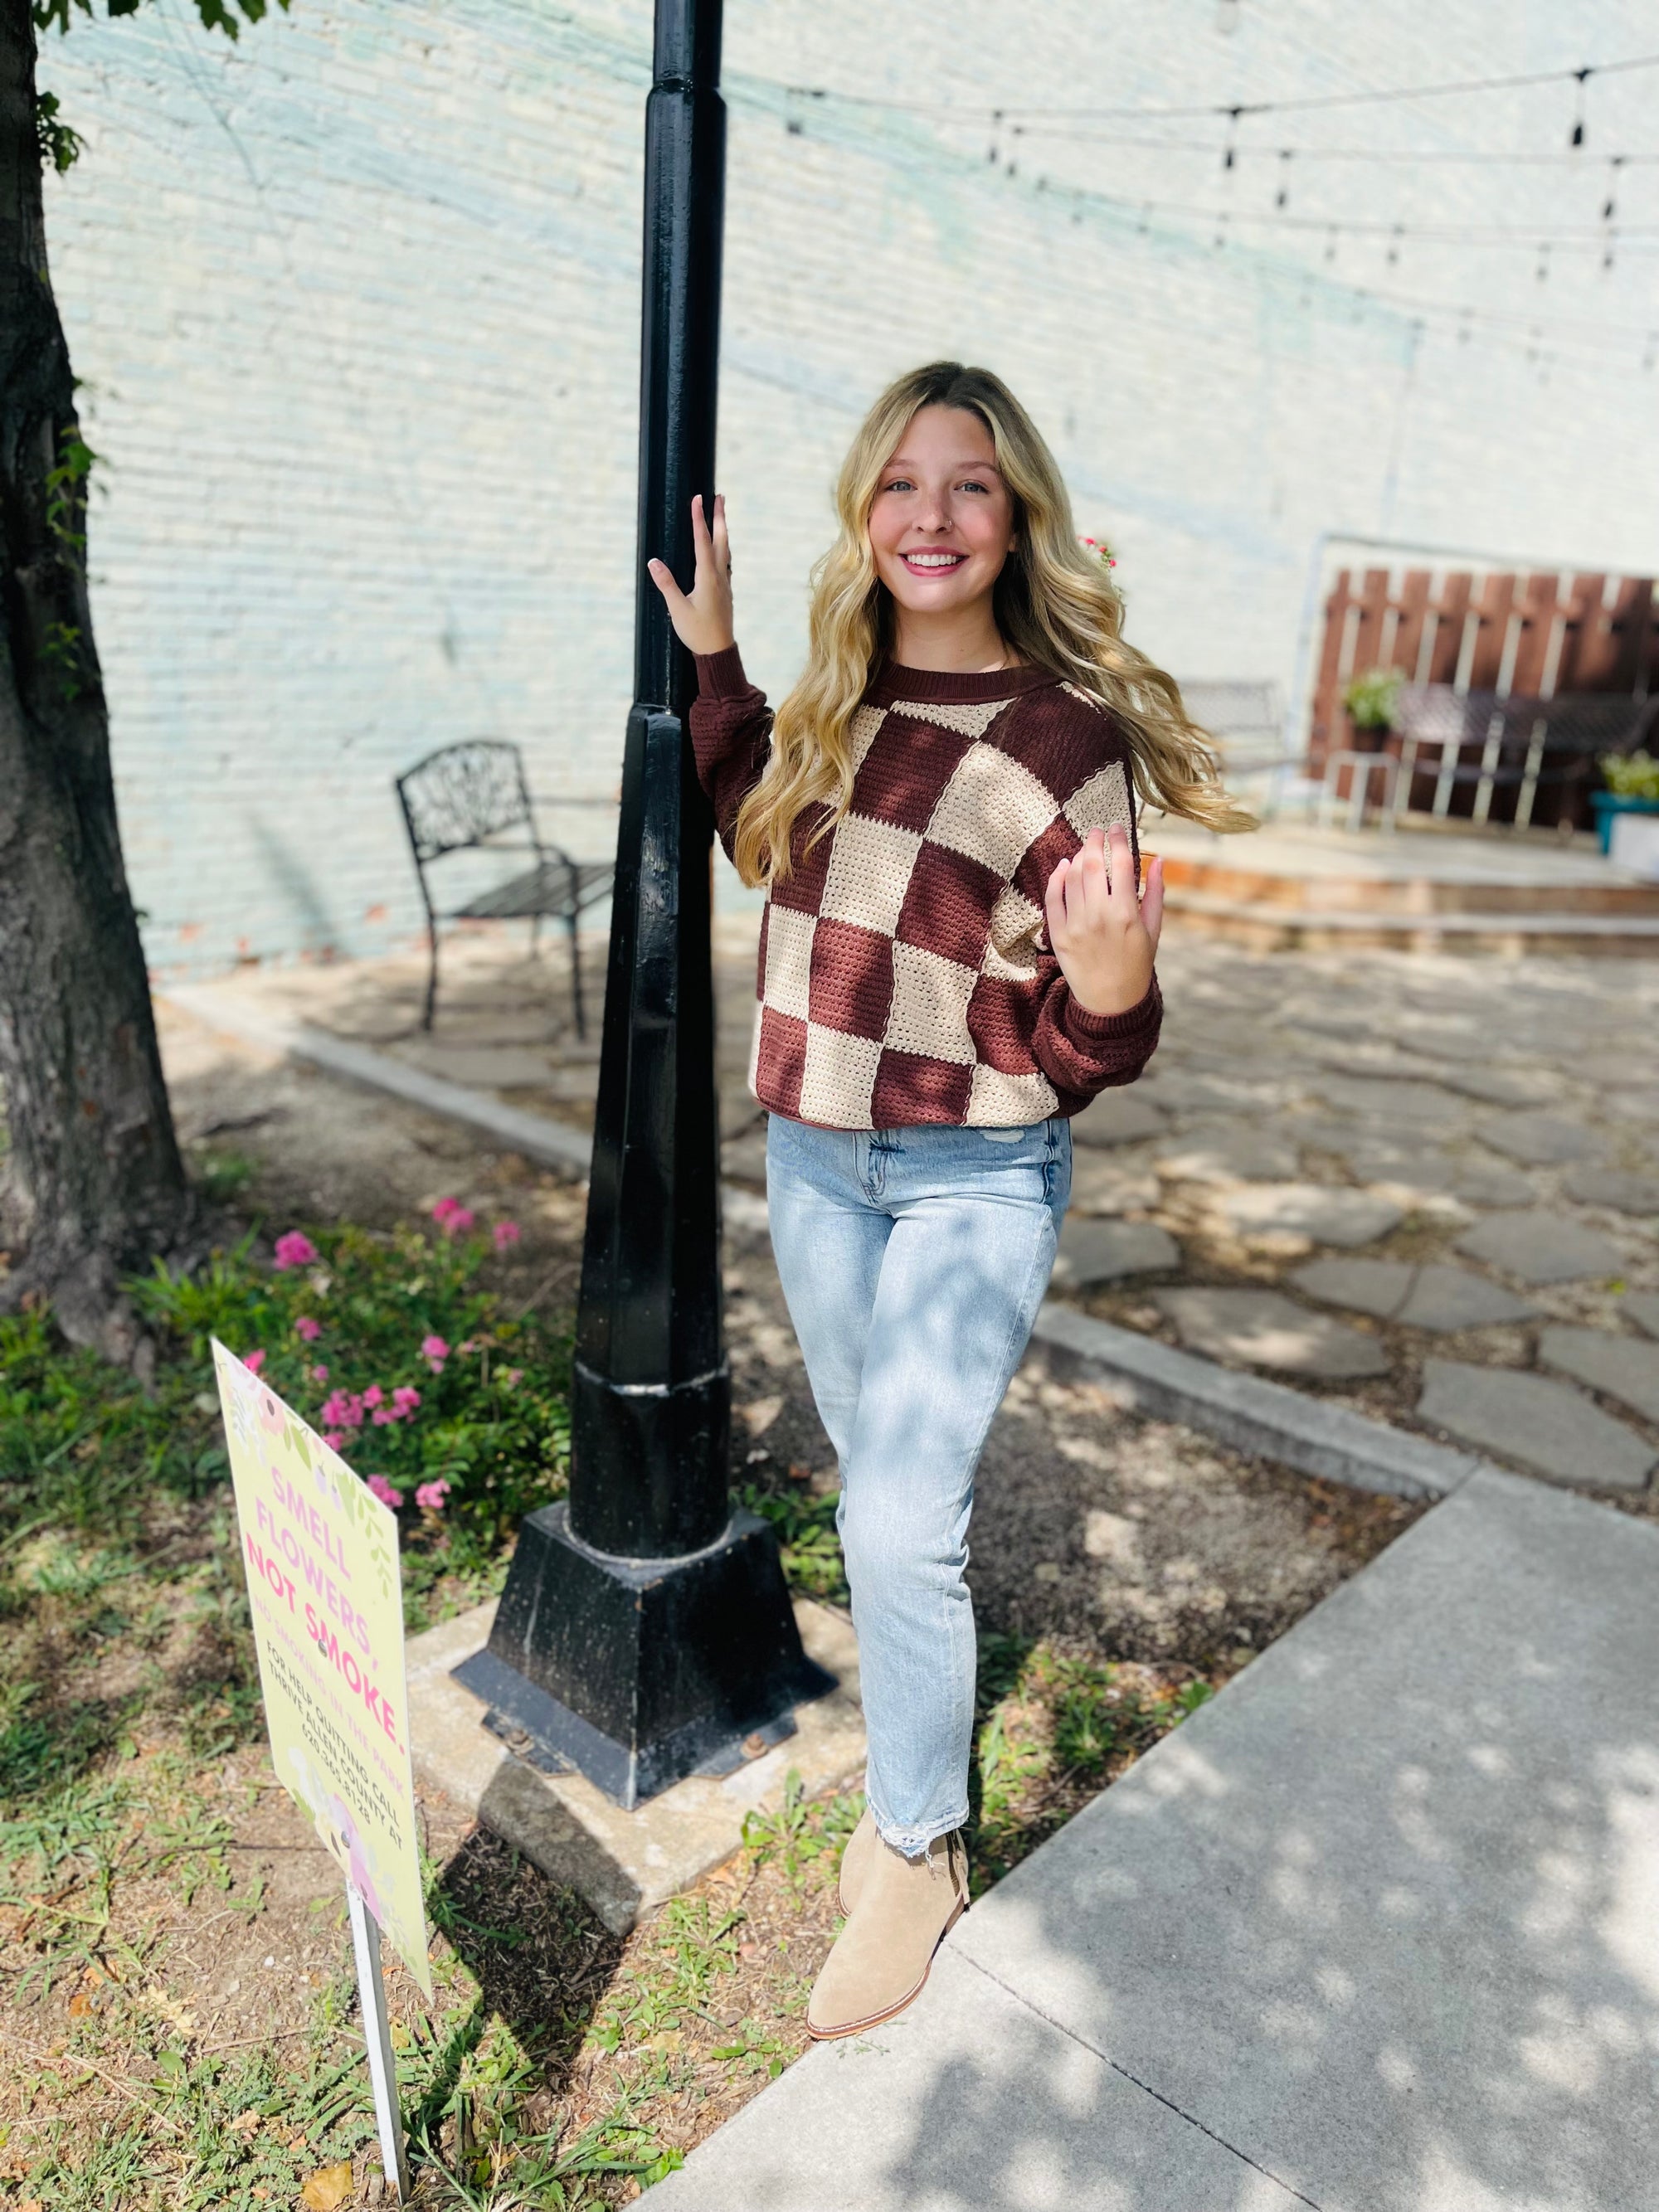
[[356, 305]]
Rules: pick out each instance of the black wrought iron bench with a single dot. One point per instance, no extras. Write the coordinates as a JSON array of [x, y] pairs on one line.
[[1515, 743], [467, 798]]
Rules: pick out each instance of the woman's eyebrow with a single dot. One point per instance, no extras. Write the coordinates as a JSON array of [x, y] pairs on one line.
[[963, 468]]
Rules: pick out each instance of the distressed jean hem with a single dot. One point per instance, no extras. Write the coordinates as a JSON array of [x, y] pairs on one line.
[[912, 1842]]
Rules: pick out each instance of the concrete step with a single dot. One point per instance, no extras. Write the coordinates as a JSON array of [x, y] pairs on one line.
[[1272, 924], [1409, 893]]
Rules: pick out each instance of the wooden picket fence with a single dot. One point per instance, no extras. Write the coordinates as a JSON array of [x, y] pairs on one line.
[[1533, 637]]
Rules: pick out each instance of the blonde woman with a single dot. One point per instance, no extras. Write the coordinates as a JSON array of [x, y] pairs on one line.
[[953, 960]]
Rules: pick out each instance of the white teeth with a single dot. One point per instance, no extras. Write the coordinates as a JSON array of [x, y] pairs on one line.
[[935, 560]]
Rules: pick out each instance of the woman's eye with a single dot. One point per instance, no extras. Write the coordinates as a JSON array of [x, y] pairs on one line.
[[899, 484], [972, 485]]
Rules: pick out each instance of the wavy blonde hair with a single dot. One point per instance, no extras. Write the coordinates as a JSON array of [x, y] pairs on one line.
[[1054, 605]]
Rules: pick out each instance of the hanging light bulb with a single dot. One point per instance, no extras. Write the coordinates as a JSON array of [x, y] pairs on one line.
[[1282, 198], [1609, 208], [1230, 154], [1577, 136], [996, 132]]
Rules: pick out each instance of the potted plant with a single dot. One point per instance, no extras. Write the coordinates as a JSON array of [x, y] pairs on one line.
[[1632, 788], [1370, 700]]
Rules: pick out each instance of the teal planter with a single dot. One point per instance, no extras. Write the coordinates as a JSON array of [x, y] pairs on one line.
[[1607, 804]]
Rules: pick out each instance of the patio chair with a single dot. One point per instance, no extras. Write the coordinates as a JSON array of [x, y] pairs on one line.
[[1246, 718], [1521, 743], [466, 798]]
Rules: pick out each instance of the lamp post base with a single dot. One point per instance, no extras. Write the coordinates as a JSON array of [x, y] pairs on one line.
[[638, 1673]]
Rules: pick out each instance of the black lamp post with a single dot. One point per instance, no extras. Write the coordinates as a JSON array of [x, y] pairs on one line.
[[645, 1633]]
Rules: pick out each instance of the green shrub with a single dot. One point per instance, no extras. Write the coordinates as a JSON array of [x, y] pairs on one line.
[[346, 1327]]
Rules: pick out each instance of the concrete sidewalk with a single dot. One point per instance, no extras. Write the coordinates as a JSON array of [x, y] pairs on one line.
[[1377, 1930]]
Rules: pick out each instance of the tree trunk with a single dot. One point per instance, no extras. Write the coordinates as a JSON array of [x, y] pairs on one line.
[[94, 1184]]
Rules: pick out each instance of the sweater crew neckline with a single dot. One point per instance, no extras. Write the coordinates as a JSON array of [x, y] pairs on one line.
[[935, 687]]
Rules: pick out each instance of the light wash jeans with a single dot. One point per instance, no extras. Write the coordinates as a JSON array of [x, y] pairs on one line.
[[914, 1262]]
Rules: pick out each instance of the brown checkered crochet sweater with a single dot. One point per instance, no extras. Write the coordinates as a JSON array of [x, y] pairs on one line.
[[904, 969]]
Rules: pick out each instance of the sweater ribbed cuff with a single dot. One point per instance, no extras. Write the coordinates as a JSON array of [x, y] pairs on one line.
[[1097, 1029], [720, 675]]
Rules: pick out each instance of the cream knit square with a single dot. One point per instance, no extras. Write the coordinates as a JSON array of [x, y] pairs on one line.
[[930, 1006]]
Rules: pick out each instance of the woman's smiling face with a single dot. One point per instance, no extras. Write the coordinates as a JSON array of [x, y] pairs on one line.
[[942, 523]]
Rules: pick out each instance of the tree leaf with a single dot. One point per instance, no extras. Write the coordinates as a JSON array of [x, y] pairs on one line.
[[327, 2187]]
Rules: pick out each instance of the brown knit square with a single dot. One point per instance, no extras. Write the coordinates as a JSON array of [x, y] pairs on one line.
[[852, 980], [804, 887], [900, 779], [947, 904], [910, 1087], [780, 1060], [1001, 1020]]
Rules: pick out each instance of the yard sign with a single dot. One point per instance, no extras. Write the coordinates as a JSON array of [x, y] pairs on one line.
[[321, 1550]]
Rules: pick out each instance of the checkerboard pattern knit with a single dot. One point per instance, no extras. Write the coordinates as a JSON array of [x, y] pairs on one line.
[[904, 970]]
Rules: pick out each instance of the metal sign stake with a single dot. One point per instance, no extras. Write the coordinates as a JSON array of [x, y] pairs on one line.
[[377, 2035]]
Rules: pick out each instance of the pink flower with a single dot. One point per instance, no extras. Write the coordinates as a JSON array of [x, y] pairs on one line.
[[307, 1330], [381, 1415], [383, 1490], [512, 1375], [320, 1374], [431, 1495], [253, 1361], [458, 1222], [506, 1233], [434, 1352], [471, 1345], [295, 1250], [445, 1207], [333, 1439], [342, 1411], [373, 1395], [405, 1400]]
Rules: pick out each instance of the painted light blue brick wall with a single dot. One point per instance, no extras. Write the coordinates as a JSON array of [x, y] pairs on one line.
[[355, 305]]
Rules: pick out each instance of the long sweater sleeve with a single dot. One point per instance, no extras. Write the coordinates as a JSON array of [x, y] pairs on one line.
[[1083, 1053], [731, 734]]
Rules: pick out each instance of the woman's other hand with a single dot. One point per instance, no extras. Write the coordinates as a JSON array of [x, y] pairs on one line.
[[702, 619], [1104, 937]]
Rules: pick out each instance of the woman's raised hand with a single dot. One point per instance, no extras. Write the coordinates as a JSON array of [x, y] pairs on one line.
[[702, 617], [1104, 937]]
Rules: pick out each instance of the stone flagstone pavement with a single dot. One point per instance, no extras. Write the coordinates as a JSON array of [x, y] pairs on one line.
[[1391, 1178], [1376, 1930]]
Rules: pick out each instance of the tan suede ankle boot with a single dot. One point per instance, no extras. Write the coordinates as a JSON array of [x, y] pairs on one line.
[[855, 1860], [880, 1960]]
